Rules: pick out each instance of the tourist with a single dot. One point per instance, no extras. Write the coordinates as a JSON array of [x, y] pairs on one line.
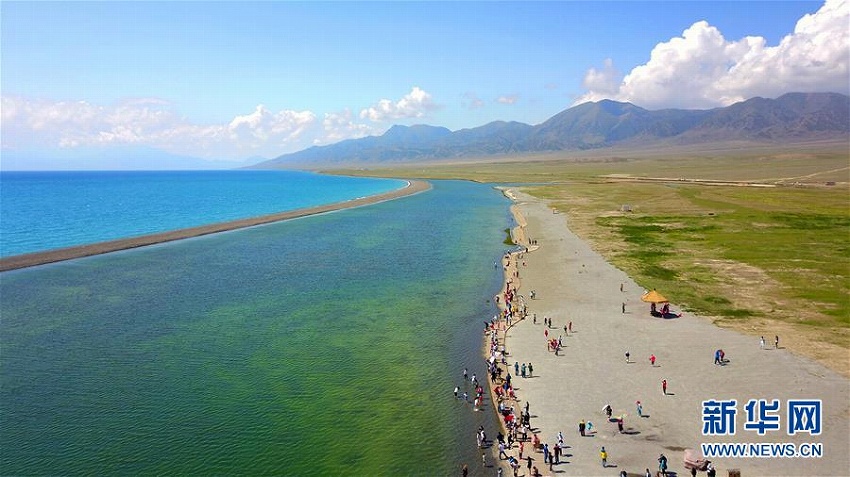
[[664, 386], [627, 356], [524, 368], [662, 464], [456, 390], [604, 456], [608, 411], [530, 370], [652, 359], [639, 408], [761, 342], [502, 449], [776, 341], [581, 427]]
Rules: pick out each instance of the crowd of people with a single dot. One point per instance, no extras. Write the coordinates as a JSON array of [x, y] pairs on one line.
[[517, 442]]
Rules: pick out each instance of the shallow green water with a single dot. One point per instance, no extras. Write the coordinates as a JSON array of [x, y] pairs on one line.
[[320, 346]]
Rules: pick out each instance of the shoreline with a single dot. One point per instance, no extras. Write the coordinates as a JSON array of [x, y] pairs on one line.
[[16, 262], [574, 284]]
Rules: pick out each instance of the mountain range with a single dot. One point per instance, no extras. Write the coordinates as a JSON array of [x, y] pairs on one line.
[[793, 117]]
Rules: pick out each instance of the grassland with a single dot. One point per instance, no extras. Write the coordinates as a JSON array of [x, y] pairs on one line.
[[753, 239]]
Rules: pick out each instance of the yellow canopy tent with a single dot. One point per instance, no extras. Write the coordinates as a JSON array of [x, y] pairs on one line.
[[653, 297]]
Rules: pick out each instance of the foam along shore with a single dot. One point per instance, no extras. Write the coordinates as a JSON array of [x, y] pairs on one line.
[[572, 283], [69, 253]]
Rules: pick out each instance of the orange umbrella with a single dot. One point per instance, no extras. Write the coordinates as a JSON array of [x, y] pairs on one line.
[[653, 297]]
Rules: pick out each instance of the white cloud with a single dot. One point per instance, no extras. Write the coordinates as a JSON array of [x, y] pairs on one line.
[[507, 99], [340, 126], [29, 124], [415, 104], [604, 81], [150, 122], [701, 69]]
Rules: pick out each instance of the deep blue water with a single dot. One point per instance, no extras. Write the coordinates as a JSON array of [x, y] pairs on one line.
[[326, 345], [47, 210]]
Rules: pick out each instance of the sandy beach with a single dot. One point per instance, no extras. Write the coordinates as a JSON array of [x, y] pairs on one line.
[[41, 258], [573, 283]]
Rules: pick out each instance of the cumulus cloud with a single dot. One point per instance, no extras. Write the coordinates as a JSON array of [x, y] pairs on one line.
[[32, 124], [702, 69], [340, 126], [415, 104], [149, 122], [605, 80], [507, 99]]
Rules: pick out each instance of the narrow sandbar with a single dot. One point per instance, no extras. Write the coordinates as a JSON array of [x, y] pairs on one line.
[[58, 255]]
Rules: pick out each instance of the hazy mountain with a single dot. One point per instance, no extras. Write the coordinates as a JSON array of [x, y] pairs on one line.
[[791, 117], [112, 158]]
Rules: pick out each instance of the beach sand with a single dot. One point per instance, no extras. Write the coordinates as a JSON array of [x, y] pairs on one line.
[[573, 283], [41, 258]]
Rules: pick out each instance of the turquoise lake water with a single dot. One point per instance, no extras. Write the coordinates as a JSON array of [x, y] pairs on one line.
[[327, 345], [46, 210]]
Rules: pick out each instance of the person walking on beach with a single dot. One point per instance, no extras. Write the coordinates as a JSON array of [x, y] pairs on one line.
[[530, 370], [604, 456], [581, 428], [776, 342], [516, 367], [761, 342], [664, 386], [652, 359], [662, 464], [639, 408], [627, 357], [524, 368], [624, 308], [570, 326]]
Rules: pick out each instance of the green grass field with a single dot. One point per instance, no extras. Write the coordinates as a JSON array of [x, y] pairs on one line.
[[752, 258]]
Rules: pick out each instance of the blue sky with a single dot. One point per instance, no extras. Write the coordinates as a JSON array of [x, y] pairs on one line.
[[231, 80]]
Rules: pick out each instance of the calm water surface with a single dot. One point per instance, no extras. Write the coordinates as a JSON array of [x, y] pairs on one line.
[[326, 345], [47, 210]]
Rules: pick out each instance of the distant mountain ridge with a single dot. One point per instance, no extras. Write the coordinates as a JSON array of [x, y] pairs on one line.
[[792, 117]]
